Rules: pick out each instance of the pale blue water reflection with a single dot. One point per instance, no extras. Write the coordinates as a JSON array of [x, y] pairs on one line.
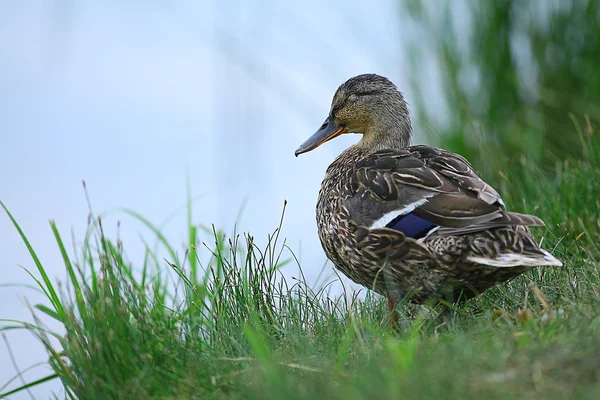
[[132, 97]]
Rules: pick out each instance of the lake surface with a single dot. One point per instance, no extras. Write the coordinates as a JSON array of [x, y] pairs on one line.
[[135, 98]]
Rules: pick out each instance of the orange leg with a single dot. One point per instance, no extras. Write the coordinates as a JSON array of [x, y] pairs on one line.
[[392, 309]]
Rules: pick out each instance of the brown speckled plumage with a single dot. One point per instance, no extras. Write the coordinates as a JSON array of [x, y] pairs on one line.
[[469, 241]]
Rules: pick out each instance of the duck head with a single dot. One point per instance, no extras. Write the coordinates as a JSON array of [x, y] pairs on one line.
[[370, 105]]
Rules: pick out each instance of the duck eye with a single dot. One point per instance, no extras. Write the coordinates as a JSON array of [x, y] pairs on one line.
[[352, 97]]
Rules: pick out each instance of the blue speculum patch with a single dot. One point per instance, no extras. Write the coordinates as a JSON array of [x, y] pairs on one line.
[[411, 225]]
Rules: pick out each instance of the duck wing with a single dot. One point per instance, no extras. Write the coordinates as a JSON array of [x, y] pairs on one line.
[[421, 189]]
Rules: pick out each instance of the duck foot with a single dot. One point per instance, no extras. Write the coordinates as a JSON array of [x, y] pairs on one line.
[[409, 314]]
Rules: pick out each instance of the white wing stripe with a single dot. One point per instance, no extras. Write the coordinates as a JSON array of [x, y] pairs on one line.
[[388, 217]]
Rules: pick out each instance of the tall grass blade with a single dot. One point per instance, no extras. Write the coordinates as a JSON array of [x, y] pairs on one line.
[[48, 287]]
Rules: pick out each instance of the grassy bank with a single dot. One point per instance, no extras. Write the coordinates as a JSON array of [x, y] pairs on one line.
[[232, 327]]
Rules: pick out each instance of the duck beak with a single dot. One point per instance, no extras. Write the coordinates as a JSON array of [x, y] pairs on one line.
[[327, 131]]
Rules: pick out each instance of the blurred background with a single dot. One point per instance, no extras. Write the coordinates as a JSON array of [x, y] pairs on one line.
[[136, 98]]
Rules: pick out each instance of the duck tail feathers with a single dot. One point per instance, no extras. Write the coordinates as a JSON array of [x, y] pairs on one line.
[[507, 260]]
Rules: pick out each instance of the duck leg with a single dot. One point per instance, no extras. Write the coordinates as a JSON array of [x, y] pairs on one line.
[[392, 307], [393, 295]]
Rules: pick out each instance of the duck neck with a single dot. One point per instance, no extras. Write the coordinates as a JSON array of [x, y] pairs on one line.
[[387, 133]]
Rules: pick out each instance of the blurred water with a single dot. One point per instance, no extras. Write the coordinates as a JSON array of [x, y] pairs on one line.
[[132, 96]]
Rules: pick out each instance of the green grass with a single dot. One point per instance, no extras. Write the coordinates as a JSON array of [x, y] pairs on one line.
[[221, 322]]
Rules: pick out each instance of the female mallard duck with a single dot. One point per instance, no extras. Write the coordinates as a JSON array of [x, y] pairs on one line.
[[412, 222]]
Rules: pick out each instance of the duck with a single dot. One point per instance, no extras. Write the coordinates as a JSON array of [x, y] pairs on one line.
[[413, 223]]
